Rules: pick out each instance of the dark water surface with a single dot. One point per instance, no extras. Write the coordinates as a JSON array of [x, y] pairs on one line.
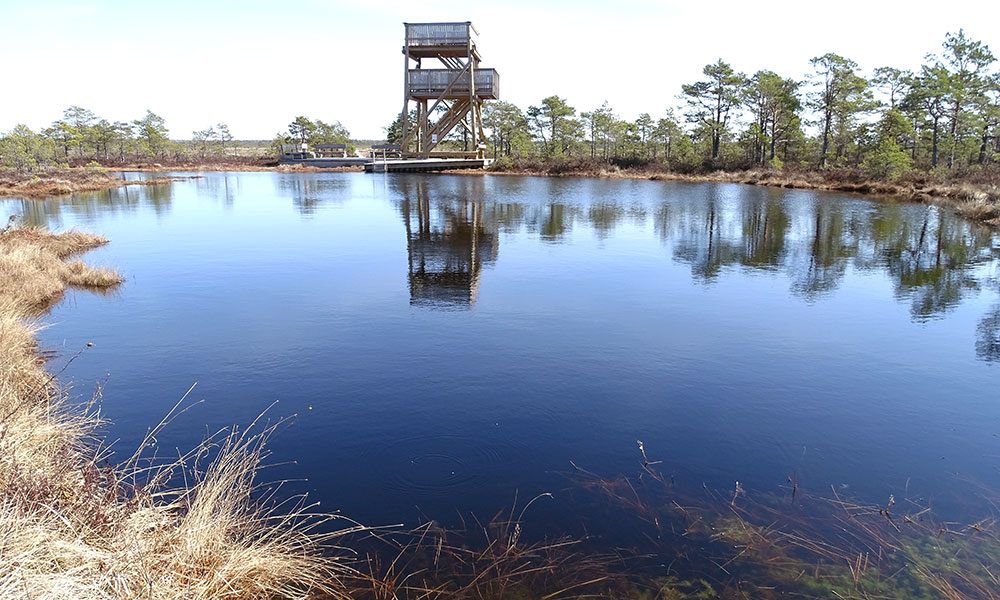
[[449, 341]]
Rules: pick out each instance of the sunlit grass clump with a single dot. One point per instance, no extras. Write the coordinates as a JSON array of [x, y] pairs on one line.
[[73, 525]]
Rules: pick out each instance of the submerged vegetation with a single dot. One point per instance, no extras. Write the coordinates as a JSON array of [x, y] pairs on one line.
[[491, 560], [698, 544], [693, 544], [745, 544], [74, 525]]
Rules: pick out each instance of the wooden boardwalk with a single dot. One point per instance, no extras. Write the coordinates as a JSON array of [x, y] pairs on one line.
[[400, 165], [327, 163], [423, 165]]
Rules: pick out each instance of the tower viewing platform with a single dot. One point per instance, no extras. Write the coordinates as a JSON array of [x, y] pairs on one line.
[[435, 83], [444, 88], [430, 40], [452, 81]]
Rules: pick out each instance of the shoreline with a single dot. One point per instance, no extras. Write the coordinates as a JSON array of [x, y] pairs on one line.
[[74, 525], [976, 201], [72, 181]]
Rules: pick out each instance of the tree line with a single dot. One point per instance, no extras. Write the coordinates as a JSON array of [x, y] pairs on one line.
[[945, 115], [81, 136], [303, 130]]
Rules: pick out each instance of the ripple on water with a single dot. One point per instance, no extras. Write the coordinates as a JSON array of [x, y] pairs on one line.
[[437, 464]]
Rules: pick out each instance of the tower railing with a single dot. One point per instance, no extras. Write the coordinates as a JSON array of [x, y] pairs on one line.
[[447, 95]]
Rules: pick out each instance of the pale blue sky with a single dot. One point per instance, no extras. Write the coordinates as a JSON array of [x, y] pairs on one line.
[[256, 65]]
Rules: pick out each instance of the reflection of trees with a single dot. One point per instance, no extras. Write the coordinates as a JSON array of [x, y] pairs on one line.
[[828, 251], [931, 264], [701, 241], [604, 216], [929, 253], [221, 186], [663, 217], [988, 336], [554, 225], [310, 191], [447, 244], [508, 216], [157, 196], [86, 206], [764, 227]]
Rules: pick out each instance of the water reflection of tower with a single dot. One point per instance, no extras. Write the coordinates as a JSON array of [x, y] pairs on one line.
[[447, 247]]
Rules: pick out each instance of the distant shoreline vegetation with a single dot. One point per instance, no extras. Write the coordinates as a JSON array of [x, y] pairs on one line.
[[929, 134]]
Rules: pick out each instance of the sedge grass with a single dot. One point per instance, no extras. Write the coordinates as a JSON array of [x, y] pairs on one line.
[[488, 561]]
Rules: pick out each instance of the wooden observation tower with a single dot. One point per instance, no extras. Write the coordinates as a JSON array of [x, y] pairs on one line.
[[448, 94]]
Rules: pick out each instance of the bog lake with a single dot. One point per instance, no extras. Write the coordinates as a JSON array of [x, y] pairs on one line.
[[441, 345]]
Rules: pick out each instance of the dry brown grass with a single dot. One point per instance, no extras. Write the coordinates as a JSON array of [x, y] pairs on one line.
[[35, 272], [74, 526], [59, 181], [55, 181]]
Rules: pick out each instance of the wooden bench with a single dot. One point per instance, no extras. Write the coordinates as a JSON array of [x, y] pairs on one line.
[[331, 150], [386, 151]]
